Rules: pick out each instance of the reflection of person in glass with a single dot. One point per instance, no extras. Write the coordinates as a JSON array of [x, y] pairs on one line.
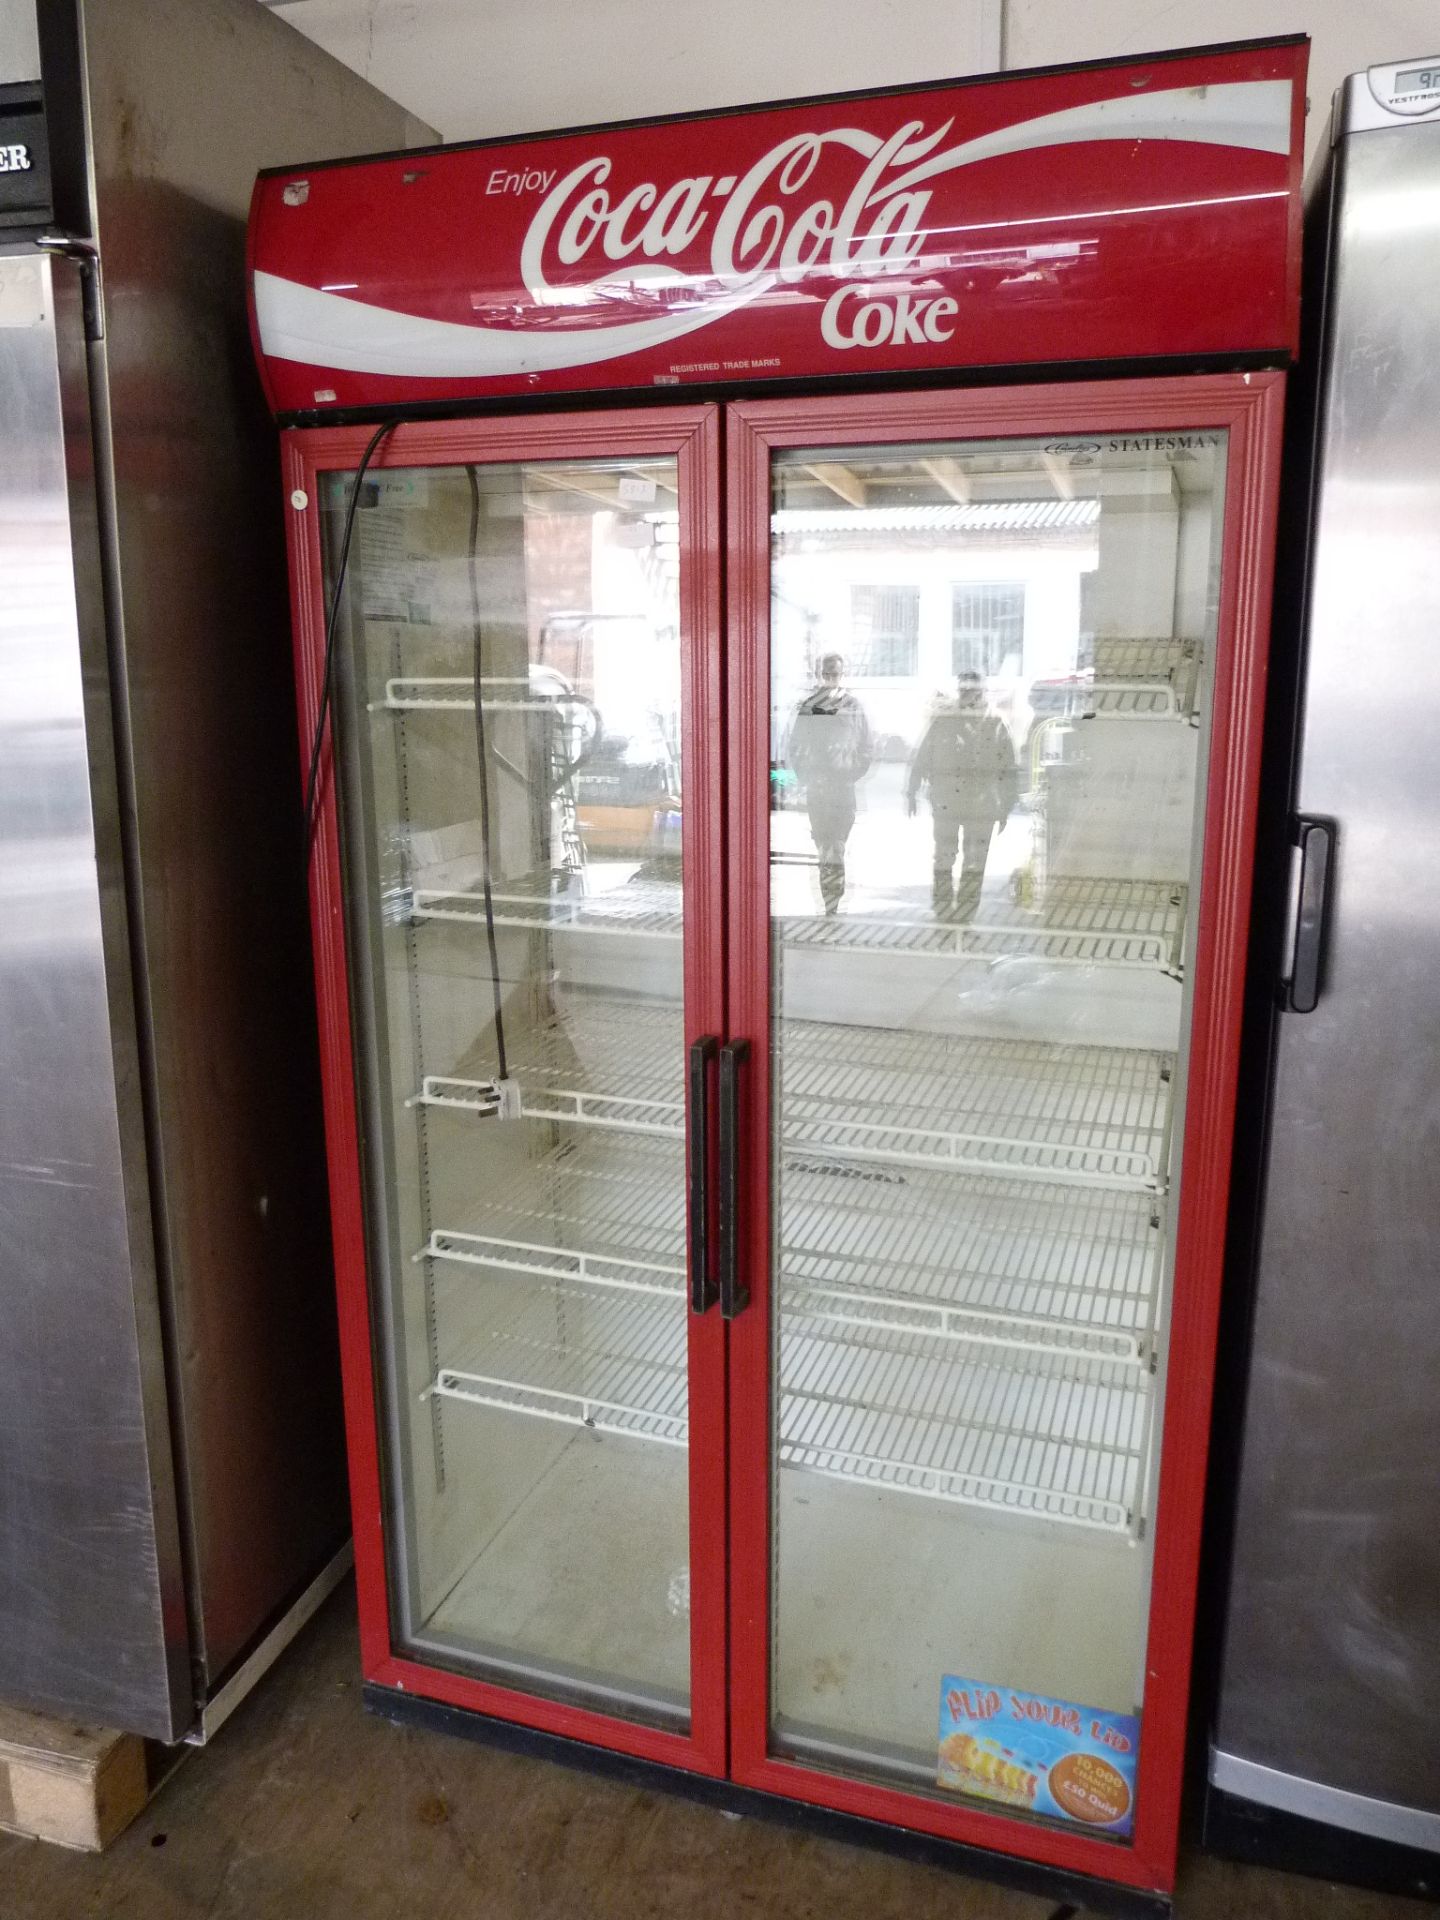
[[966, 760], [830, 751]]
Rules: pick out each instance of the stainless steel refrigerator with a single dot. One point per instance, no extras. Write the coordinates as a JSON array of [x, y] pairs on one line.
[[1325, 1744], [171, 1457]]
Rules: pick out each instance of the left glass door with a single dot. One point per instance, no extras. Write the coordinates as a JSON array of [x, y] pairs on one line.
[[523, 801]]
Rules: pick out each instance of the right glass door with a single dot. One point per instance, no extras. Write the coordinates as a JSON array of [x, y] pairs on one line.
[[991, 674]]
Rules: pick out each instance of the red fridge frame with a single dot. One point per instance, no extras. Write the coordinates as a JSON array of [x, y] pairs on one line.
[[1249, 407], [725, 551], [692, 435]]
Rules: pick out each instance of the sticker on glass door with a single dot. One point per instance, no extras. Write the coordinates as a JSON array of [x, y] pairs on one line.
[[1041, 1755]]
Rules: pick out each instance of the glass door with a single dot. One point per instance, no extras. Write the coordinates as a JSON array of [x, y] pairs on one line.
[[996, 683], [525, 674]]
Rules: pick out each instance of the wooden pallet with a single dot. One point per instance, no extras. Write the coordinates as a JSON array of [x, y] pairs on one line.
[[76, 1786]]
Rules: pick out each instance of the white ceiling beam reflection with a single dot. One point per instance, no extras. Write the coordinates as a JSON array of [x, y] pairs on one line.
[[951, 477], [659, 479], [568, 483], [1061, 477], [840, 480]]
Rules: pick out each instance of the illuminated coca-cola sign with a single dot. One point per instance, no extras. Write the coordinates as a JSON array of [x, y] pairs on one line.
[[1119, 212]]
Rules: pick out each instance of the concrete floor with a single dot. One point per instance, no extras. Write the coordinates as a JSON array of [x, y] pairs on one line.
[[307, 1808]]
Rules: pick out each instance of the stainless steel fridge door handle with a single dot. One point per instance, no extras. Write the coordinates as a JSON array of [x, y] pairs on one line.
[[86, 256], [703, 1290], [734, 1298], [1315, 839]]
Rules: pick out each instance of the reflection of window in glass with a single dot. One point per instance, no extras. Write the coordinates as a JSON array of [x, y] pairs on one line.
[[987, 625], [885, 622]]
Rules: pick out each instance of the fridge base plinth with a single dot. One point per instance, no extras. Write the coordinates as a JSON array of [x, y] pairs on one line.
[[1004, 1870], [1260, 1836]]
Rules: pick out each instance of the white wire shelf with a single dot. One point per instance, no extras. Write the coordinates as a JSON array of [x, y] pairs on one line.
[[985, 1262], [1091, 1116], [1093, 932], [456, 694], [634, 917], [997, 1263], [573, 1105], [614, 1365], [1029, 1109], [1162, 657], [1132, 679], [544, 1262], [1130, 700], [1170, 662], [1090, 922], [1053, 1439]]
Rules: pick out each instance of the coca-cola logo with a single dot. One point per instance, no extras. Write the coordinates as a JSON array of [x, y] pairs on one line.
[[765, 225]]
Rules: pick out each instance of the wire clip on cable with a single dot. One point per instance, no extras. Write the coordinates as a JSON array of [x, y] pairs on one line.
[[497, 1099], [486, 1100], [508, 1099]]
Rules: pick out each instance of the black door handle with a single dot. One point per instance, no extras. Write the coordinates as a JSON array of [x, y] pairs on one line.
[[733, 1297], [703, 1291], [1315, 838]]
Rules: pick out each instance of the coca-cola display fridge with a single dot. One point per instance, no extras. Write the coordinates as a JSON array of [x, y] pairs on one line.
[[780, 881]]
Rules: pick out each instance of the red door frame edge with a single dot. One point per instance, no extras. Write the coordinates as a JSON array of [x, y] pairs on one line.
[[692, 434], [1250, 407]]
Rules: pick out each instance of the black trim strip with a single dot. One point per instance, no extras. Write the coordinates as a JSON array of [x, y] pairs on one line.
[[1041, 373], [1023, 1876], [1259, 1836]]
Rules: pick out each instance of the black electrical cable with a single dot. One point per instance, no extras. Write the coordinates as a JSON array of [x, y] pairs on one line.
[[332, 621], [486, 862]]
